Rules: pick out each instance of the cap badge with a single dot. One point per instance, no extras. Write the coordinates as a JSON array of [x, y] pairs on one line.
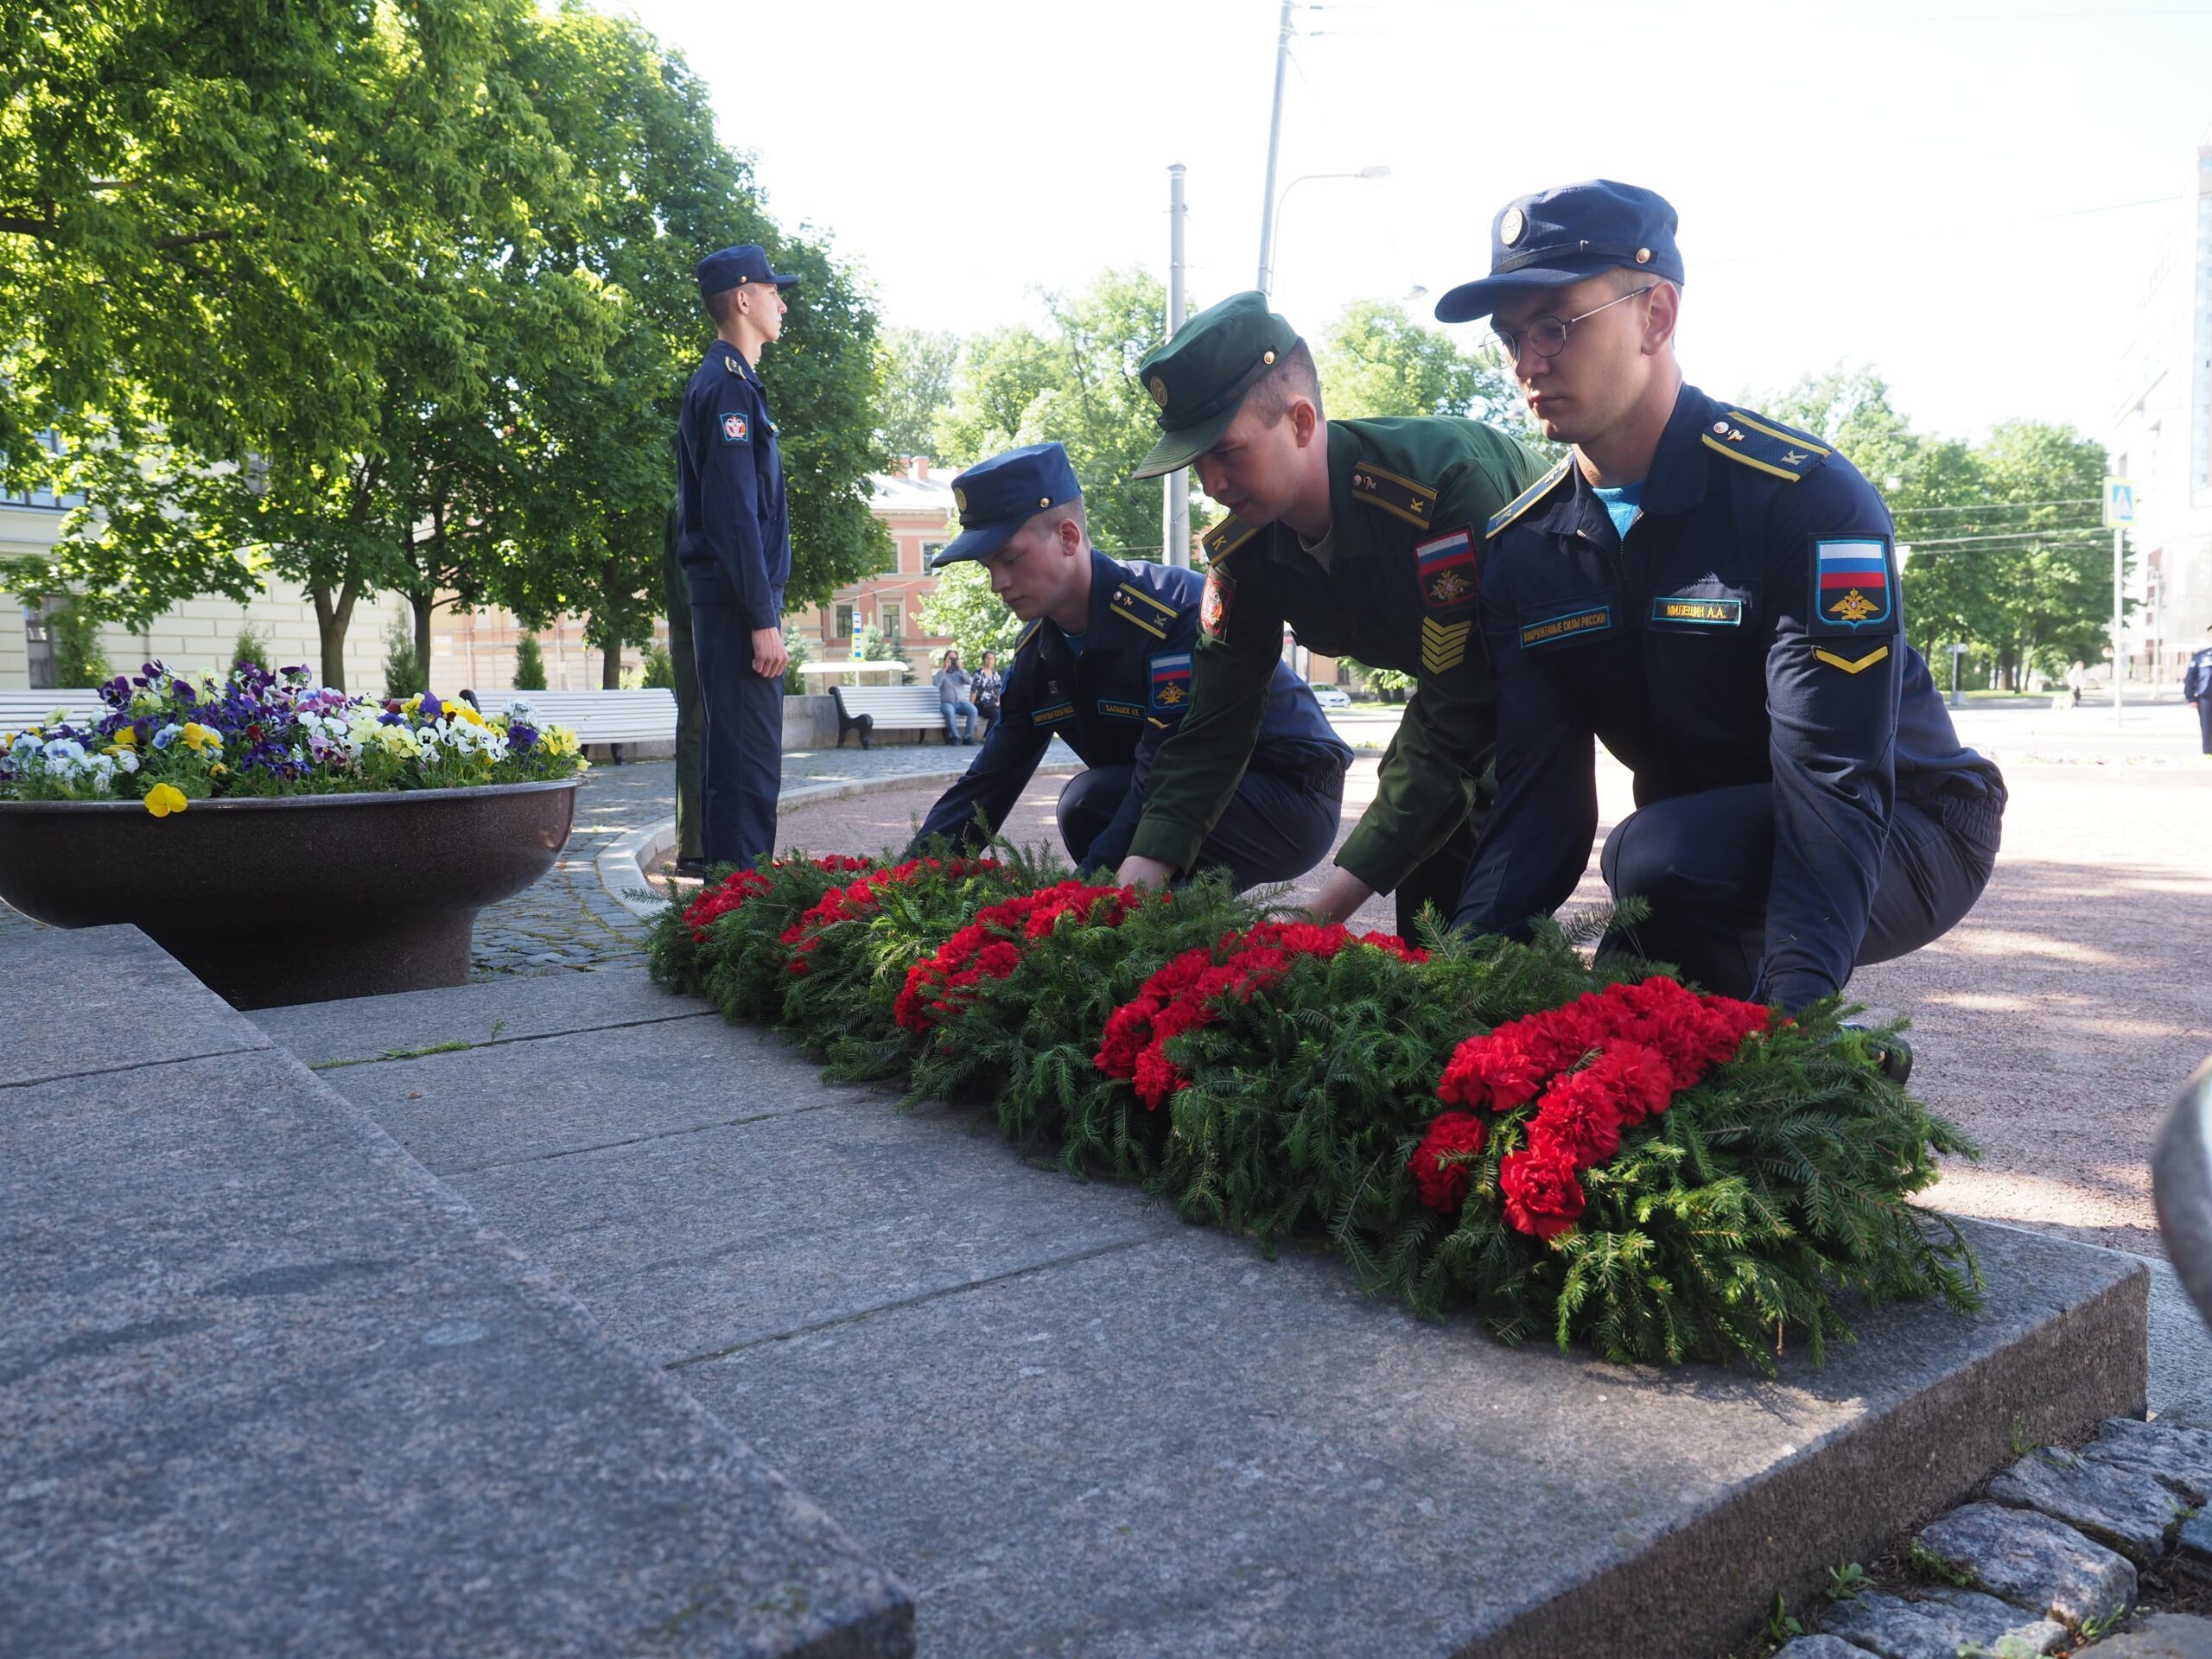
[[1158, 388], [1512, 226], [1643, 256], [1044, 500], [959, 498], [1267, 357]]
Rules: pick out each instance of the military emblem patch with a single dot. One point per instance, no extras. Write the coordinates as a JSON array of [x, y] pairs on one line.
[[1443, 645], [1140, 609], [959, 498], [1213, 609], [736, 429], [1171, 682], [1158, 388], [1446, 568], [1510, 227], [1850, 585]]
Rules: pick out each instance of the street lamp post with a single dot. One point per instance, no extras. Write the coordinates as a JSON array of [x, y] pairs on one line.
[[1271, 228]]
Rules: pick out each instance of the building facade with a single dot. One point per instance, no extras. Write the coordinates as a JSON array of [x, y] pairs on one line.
[[2161, 440]]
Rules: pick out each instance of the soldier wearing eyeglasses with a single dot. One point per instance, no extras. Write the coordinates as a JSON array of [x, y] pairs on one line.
[[1712, 595]]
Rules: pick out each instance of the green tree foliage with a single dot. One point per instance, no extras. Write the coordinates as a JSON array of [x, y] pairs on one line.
[[916, 366], [2007, 552], [437, 335], [403, 668], [530, 665], [78, 660], [1074, 381], [1376, 361], [963, 608]]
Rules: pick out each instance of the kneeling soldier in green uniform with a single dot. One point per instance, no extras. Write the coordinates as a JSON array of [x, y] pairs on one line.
[[1365, 537]]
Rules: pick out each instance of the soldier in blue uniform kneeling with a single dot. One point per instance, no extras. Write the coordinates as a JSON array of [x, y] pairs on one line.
[[1714, 596], [1105, 665]]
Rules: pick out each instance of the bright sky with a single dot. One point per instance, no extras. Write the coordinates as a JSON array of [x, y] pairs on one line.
[[1929, 186]]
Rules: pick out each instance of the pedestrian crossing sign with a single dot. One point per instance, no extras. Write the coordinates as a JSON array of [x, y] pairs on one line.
[[2120, 502]]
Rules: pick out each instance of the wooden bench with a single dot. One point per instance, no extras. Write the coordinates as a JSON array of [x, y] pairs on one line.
[[21, 709], [609, 717], [870, 708]]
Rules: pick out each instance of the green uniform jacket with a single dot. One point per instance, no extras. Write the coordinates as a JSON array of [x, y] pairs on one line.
[[1409, 499]]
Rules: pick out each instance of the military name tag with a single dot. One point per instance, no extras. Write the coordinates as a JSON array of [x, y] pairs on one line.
[[1057, 711], [736, 429], [1113, 710], [1699, 613], [1592, 619]]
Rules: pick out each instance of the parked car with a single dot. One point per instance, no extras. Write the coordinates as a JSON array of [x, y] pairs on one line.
[[1331, 696]]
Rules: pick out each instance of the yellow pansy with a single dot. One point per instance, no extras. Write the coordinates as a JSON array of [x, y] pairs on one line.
[[128, 737], [219, 770], [164, 799], [198, 738]]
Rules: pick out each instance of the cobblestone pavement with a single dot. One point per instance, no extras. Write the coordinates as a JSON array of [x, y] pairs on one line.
[[568, 920]]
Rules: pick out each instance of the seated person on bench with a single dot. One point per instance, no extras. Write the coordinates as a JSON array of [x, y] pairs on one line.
[[1105, 664]]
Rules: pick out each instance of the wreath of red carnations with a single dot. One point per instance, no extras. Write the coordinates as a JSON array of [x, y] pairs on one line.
[[990, 947], [1189, 992], [732, 891], [857, 899], [1602, 1064]]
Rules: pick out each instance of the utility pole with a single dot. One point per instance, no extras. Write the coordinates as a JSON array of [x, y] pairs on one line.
[[2120, 513], [1274, 143], [1175, 507]]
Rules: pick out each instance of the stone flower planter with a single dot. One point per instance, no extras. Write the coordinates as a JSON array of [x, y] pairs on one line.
[[302, 899]]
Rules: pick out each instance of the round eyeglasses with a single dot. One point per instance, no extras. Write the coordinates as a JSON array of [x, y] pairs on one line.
[[1547, 336]]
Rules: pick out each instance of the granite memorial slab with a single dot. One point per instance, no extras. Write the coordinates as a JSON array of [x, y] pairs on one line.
[[267, 1386], [88, 999]]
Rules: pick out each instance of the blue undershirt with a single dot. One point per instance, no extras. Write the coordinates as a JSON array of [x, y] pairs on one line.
[[1621, 501], [1075, 641]]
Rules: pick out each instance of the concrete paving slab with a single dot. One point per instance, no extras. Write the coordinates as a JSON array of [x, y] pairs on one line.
[[513, 1102], [696, 1244], [500, 1010], [1178, 1447], [266, 1387], [88, 1000]]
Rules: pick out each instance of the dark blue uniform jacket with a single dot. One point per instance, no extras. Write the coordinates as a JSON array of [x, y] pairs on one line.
[[735, 543], [1116, 702], [1748, 629]]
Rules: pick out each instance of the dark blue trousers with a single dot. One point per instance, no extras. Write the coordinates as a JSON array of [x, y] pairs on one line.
[[2204, 720], [1706, 863], [742, 765], [1276, 828]]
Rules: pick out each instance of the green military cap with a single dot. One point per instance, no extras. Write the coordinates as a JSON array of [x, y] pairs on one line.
[[1200, 378]]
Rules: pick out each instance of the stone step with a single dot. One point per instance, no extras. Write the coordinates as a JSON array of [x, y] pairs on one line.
[[1074, 1425], [267, 1386]]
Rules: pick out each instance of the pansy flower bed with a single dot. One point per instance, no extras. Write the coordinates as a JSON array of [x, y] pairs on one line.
[[169, 740], [1599, 1155]]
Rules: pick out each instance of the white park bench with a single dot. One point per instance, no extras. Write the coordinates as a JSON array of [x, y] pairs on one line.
[[21, 709], [871, 709], [647, 715]]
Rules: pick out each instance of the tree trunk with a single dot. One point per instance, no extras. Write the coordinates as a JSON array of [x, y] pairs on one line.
[[610, 645], [422, 605], [334, 614]]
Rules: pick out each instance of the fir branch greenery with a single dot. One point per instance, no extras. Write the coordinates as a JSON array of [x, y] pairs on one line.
[[1766, 1198]]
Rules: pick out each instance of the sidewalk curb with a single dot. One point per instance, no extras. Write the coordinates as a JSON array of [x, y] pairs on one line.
[[622, 862]]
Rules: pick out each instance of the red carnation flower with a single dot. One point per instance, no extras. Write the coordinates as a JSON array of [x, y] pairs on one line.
[[1439, 1163], [1541, 1195]]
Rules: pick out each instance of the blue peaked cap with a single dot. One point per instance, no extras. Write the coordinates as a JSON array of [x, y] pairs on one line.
[[995, 498], [727, 268], [1556, 237]]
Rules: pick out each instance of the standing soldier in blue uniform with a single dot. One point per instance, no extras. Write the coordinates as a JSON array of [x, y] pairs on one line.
[[734, 540], [1714, 596], [2196, 686], [1105, 665]]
